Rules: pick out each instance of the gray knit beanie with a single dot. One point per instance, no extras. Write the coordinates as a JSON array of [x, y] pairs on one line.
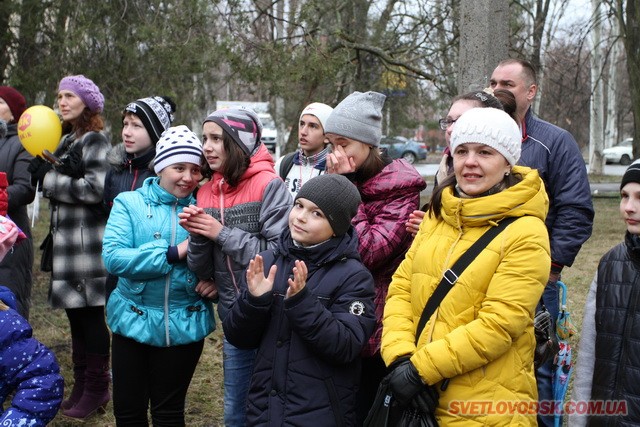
[[359, 117], [336, 196]]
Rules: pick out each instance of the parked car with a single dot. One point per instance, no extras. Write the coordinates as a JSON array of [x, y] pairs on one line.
[[269, 133], [402, 148], [620, 153]]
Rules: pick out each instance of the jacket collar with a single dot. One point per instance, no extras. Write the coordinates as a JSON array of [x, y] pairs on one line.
[[334, 249], [154, 194], [119, 159]]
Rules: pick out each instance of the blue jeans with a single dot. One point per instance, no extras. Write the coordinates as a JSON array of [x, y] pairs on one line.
[[238, 367], [544, 374]]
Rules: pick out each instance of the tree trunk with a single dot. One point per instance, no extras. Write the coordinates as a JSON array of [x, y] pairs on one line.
[[632, 42], [539, 22], [611, 123], [596, 133], [484, 41]]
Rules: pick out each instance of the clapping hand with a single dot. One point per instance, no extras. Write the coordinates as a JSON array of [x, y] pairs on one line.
[[196, 221], [257, 283], [299, 280]]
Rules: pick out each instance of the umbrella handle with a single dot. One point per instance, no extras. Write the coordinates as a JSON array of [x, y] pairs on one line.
[[563, 287]]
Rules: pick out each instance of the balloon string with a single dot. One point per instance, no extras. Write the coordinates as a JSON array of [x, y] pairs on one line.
[[36, 205]]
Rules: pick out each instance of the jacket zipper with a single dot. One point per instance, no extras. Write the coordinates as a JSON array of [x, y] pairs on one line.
[[226, 257], [167, 282], [135, 179]]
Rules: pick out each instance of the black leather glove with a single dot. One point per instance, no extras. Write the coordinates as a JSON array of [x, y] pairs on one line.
[[400, 360], [426, 400], [38, 168], [71, 164], [405, 383]]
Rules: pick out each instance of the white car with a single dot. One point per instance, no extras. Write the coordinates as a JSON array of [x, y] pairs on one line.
[[620, 153], [269, 133]]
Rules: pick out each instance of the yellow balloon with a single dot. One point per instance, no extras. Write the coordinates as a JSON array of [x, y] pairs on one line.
[[39, 129]]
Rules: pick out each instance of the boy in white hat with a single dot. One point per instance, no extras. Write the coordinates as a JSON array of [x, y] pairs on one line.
[[310, 159]]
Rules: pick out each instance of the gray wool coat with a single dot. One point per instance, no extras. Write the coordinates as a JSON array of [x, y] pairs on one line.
[[78, 219]]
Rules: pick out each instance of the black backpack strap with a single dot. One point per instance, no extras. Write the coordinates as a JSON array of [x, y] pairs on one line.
[[286, 164], [450, 276]]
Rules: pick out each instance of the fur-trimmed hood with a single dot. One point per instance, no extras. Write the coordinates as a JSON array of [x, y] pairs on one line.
[[119, 159]]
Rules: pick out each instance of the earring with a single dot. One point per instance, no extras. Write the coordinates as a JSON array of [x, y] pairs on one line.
[[507, 173]]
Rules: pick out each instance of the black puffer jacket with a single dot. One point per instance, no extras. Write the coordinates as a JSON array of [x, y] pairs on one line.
[[307, 367], [127, 173], [16, 268], [617, 366]]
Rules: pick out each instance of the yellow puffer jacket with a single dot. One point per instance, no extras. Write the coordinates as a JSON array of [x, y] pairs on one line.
[[481, 337]]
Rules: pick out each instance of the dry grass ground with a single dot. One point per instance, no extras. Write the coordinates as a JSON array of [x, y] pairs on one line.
[[204, 401]]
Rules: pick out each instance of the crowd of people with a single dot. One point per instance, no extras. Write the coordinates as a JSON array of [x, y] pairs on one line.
[[328, 277]]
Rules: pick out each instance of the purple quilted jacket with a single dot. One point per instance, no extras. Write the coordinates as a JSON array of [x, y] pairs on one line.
[[387, 200]]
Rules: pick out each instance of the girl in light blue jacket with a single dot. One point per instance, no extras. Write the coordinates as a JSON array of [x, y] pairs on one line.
[[157, 317]]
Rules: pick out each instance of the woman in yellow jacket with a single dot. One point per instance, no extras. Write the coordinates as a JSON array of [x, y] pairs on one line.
[[480, 341]]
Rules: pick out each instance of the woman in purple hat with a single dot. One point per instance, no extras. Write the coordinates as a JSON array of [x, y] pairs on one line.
[[74, 184]]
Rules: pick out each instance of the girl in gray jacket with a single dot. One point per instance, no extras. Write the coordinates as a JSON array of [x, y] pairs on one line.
[[241, 211]]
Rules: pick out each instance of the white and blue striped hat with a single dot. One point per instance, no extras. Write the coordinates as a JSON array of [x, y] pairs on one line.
[[177, 145]]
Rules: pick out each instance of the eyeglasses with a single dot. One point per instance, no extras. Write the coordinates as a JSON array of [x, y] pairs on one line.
[[445, 123], [482, 96]]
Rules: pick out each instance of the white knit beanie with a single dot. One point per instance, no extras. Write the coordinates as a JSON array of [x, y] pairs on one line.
[[177, 145], [319, 110], [488, 126]]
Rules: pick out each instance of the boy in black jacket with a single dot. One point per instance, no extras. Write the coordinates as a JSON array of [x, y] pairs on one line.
[[310, 316]]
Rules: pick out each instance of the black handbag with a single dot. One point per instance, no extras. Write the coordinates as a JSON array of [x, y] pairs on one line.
[[46, 261], [378, 416], [547, 345], [412, 417]]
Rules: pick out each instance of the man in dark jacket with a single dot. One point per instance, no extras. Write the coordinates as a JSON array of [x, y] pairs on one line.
[[556, 155]]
